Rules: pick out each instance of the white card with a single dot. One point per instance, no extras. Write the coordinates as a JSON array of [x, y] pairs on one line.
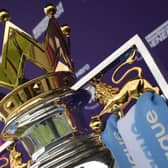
[[134, 141]]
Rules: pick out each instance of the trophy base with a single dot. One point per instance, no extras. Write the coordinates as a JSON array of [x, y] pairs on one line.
[[73, 152]]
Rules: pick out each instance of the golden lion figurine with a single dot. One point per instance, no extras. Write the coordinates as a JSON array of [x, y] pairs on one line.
[[115, 99]]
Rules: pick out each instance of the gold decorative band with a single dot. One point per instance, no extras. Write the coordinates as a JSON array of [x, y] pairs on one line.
[[33, 92]]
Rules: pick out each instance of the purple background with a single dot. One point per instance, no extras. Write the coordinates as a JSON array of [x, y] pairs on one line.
[[98, 27]]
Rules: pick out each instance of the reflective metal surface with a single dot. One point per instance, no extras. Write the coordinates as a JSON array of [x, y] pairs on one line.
[[72, 151], [19, 46], [33, 92]]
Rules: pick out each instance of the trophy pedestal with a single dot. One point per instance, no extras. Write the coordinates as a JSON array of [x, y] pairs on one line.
[[74, 152]]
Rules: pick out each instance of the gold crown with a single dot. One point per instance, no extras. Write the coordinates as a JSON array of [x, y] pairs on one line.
[[18, 47]]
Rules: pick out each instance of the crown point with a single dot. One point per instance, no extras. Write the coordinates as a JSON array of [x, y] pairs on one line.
[[4, 15], [66, 30], [50, 10]]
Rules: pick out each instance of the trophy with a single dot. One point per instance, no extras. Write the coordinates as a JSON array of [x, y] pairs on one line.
[[45, 113]]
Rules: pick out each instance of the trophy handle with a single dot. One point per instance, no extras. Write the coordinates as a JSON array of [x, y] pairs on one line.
[[115, 99]]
